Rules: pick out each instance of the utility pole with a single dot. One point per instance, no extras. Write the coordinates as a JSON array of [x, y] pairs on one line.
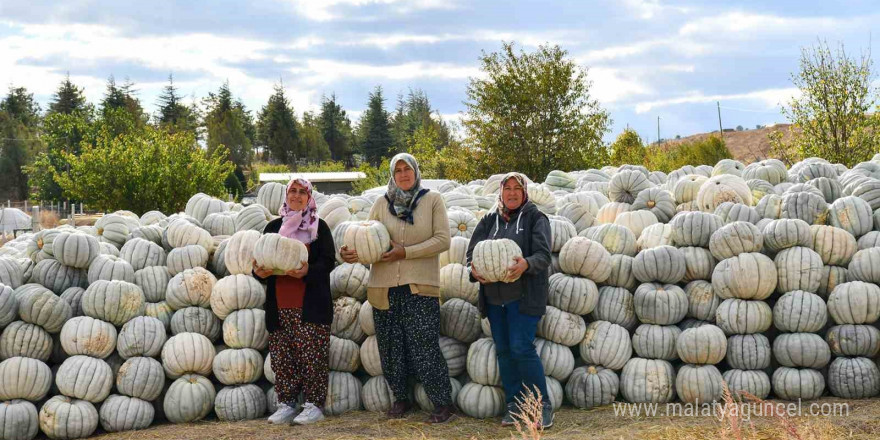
[[720, 129], [658, 129]]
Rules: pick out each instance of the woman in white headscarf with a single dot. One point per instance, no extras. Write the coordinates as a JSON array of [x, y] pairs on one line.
[[404, 289]]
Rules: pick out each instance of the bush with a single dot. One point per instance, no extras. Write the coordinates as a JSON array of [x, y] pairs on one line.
[[706, 151], [144, 170]]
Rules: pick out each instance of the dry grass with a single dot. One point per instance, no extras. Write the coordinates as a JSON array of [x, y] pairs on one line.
[[863, 422], [528, 420], [49, 219], [747, 146]]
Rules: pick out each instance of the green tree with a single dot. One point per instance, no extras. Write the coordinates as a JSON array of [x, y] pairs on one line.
[[20, 105], [162, 171], [316, 148], [412, 113], [833, 110], [533, 112], [278, 131], [375, 129], [174, 115], [14, 139], [336, 129], [628, 149], [68, 99], [229, 128], [707, 151], [62, 133], [124, 98]]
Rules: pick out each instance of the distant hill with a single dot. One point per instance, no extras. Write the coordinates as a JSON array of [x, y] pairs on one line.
[[746, 146]]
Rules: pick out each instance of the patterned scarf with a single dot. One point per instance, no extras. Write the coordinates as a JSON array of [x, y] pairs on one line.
[[402, 203], [499, 206], [300, 225]]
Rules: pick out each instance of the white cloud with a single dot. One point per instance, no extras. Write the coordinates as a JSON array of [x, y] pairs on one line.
[[648, 9], [612, 85], [681, 46], [323, 10], [745, 25], [769, 98], [323, 71]]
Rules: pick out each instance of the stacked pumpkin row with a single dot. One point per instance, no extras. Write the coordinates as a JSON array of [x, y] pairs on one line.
[[684, 267]]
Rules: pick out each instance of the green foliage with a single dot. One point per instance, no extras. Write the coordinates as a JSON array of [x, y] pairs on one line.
[[122, 98], [20, 105], [14, 138], [173, 115], [336, 130], [144, 170], [375, 130], [533, 112], [376, 176], [233, 185], [837, 95], [68, 99], [229, 127], [628, 149], [323, 167], [706, 151], [278, 132], [316, 148], [413, 113], [62, 133]]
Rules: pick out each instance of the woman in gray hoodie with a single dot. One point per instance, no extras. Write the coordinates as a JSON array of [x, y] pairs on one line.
[[514, 309]]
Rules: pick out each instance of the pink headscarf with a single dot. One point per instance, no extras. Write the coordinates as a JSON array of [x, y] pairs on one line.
[[299, 225]]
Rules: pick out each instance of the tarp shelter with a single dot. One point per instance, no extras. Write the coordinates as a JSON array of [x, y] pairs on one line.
[[13, 218]]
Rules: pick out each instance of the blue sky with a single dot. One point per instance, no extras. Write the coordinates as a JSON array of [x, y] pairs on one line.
[[646, 58]]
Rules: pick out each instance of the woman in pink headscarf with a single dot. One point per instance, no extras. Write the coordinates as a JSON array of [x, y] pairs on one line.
[[299, 310]]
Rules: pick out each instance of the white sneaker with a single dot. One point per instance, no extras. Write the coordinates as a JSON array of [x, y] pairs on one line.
[[309, 414], [284, 414]]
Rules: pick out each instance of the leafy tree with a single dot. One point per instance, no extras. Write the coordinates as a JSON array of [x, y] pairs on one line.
[[162, 171], [833, 110], [533, 113], [62, 133], [229, 128], [68, 99], [336, 129], [20, 105], [375, 129], [627, 149], [316, 148], [278, 131], [173, 115]]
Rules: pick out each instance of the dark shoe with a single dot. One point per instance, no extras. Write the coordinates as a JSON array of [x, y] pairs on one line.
[[399, 409], [442, 414], [547, 416], [508, 419]]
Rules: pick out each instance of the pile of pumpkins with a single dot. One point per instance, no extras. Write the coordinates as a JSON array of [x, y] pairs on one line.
[[662, 288]]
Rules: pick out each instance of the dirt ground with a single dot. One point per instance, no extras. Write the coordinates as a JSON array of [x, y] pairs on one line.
[[863, 422]]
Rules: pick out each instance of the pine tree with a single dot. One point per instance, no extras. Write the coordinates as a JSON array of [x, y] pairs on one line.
[[14, 136], [68, 99], [314, 145], [336, 129], [20, 105], [173, 115], [414, 112], [121, 108], [375, 130], [228, 123], [277, 130]]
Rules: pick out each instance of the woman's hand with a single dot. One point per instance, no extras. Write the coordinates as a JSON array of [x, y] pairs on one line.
[[261, 272], [516, 270], [477, 276], [397, 252], [299, 273], [348, 255]]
